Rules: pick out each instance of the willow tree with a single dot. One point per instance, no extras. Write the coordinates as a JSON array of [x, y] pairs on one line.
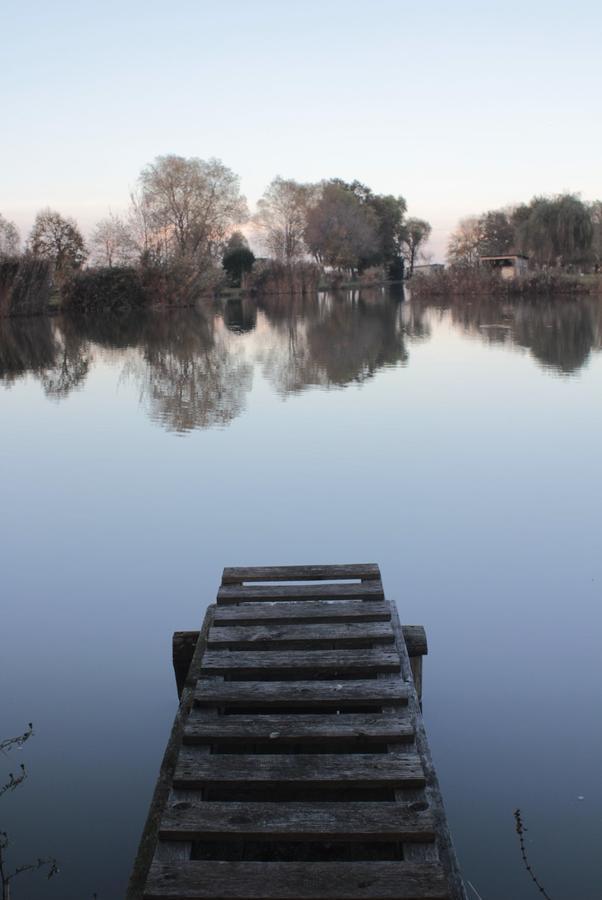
[[555, 230]]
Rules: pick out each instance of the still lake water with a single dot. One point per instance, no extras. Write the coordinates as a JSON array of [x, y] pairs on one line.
[[458, 447]]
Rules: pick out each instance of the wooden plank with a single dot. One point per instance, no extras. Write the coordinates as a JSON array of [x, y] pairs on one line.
[[303, 611], [415, 639], [300, 694], [239, 574], [368, 590], [364, 727], [196, 769], [431, 793], [221, 880], [319, 662], [194, 821], [345, 634]]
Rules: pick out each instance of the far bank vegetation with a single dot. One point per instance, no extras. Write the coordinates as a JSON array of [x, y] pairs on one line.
[[559, 241], [186, 235], [183, 237]]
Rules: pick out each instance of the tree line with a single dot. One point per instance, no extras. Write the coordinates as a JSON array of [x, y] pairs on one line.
[[187, 214], [553, 232]]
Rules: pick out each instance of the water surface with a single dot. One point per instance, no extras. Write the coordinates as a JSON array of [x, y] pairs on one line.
[[459, 447]]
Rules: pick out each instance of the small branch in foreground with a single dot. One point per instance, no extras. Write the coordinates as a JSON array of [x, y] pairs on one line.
[[473, 888], [10, 743], [520, 830], [13, 781], [43, 862], [6, 877]]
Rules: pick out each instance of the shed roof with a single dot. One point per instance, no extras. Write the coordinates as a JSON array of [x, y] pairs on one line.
[[505, 256]]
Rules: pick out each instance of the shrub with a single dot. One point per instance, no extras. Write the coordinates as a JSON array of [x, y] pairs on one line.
[[105, 288], [25, 285], [373, 275], [274, 277], [473, 281], [237, 263], [179, 282]]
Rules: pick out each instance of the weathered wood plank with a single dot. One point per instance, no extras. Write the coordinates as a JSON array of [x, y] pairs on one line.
[[296, 881], [432, 793], [415, 639], [364, 727], [302, 611], [292, 662], [239, 574], [195, 769], [345, 634], [184, 820], [299, 694], [367, 590]]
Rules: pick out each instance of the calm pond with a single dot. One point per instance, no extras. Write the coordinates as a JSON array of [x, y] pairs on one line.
[[458, 447]]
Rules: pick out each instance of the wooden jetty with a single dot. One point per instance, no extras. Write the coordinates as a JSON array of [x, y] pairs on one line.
[[298, 767]]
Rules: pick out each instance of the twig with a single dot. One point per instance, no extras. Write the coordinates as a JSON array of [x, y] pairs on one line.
[[9, 743], [13, 781], [45, 862], [473, 888], [520, 830]]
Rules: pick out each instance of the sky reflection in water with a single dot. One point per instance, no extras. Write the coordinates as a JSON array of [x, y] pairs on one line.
[[463, 455]]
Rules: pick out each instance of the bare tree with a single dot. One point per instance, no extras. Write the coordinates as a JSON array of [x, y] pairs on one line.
[[463, 248], [282, 217], [9, 238], [188, 206], [416, 233], [112, 243], [59, 240]]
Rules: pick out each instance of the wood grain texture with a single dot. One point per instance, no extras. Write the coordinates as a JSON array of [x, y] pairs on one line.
[[296, 881], [194, 769], [189, 821], [367, 590], [415, 639], [297, 662], [345, 634], [319, 747], [238, 574], [295, 694], [201, 728], [302, 611]]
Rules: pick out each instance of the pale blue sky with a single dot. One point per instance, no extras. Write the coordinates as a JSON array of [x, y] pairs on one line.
[[458, 106]]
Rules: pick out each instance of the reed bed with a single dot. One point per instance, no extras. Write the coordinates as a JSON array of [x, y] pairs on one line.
[[25, 285]]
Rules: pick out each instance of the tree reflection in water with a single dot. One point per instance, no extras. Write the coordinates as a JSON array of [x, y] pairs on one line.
[[71, 363], [332, 340], [40, 346], [191, 376], [28, 345], [560, 333], [194, 367]]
